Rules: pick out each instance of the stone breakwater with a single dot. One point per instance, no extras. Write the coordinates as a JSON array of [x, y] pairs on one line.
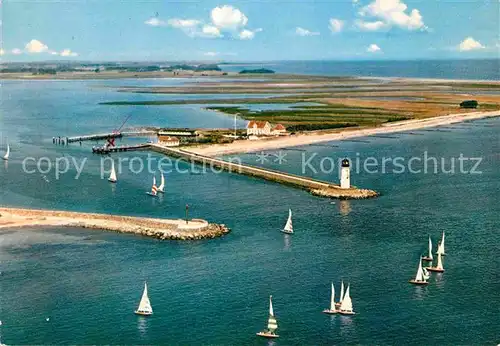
[[171, 229], [344, 193]]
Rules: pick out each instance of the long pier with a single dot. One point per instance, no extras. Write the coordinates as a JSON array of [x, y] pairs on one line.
[[99, 136], [316, 187], [108, 150]]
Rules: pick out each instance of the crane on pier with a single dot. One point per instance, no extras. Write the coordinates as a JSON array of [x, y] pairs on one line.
[[116, 132]]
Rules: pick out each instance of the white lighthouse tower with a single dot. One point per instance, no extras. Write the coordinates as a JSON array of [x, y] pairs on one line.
[[345, 174]]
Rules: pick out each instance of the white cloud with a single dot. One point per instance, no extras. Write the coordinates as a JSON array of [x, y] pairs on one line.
[[370, 26], [16, 51], [469, 44], [35, 46], [246, 34], [336, 25], [373, 48], [68, 52], [304, 32], [183, 23], [224, 20], [210, 31], [228, 17], [394, 13], [154, 21]]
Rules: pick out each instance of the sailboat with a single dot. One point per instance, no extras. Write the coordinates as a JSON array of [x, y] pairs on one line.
[[112, 175], [420, 278], [288, 229], [161, 188], [272, 324], [440, 249], [429, 257], [154, 189], [144, 308], [332, 309], [7, 153], [439, 267], [341, 293], [346, 305]]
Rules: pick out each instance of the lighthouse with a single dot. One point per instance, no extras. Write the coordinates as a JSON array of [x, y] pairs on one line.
[[345, 174]]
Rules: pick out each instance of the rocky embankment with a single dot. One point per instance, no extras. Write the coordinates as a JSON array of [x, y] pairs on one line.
[[344, 193], [171, 229]]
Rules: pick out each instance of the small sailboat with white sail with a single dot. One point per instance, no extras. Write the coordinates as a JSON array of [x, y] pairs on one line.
[[7, 153], [341, 294], [439, 266], [112, 175], [346, 305], [332, 309], [440, 249], [288, 229], [429, 257], [161, 188], [154, 189], [420, 278], [144, 308], [272, 323]]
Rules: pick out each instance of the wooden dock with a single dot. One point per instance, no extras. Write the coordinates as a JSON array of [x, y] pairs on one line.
[[108, 150], [100, 136]]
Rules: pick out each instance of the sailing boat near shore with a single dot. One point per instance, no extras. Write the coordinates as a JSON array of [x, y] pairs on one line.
[[429, 257], [346, 305], [144, 308], [420, 278], [332, 309], [7, 153], [288, 229], [161, 188], [154, 189], [272, 324], [112, 175], [439, 266], [440, 249], [341, 294]]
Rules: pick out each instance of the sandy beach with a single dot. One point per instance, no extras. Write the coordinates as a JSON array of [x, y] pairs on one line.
[[175, 229], [245, 146]]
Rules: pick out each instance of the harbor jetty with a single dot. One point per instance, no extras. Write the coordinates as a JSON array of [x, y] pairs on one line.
[[164, 229], [316, 187]]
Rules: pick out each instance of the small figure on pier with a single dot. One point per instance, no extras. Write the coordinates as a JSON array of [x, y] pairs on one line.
[[53, 140]]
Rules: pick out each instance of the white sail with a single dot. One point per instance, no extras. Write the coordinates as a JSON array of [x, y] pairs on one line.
[[288, 226], [346, 304], [430, 248], [420, 272], [332, 299], [162, 183], [112, 175], [144, 304], [272, 324], [440, 262], [441, 246], [7, 153], [427, 275], [341, 291]]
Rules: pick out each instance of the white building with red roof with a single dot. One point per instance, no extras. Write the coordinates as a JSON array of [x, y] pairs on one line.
[[264, 128], [168, 141], [258, 128]]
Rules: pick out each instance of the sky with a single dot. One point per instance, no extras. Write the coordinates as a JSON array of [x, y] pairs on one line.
[[249, 30]]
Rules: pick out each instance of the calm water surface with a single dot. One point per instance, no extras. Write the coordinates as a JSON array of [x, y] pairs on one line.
[[89, 282]]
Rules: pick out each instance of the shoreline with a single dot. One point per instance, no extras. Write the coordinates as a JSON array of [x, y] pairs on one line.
[[245, 146], [229, 75], [163, 229]]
